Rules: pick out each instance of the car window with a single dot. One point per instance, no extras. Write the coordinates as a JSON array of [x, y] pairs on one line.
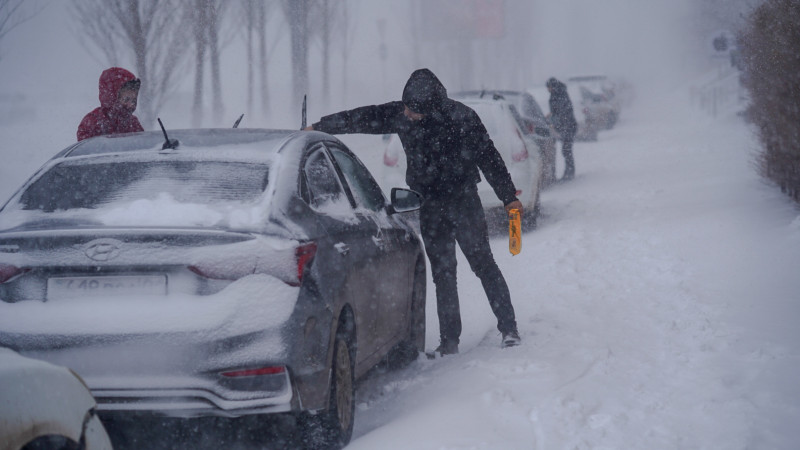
[[530, 108], [324, 188], [365, 189], [81, 185]]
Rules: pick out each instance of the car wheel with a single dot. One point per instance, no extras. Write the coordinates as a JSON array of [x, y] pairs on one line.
[[52, 442], [531, 219], [612, 120], [407, 351], [550, 164], [333, 428]]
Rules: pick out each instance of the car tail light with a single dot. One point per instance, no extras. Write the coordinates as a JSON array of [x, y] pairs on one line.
[[8, 272], [521, 154], [303, 254], [254, 372]]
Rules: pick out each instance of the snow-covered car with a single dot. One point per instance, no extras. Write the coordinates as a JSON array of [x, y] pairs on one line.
[[46, 406], [588, 121], [242, 272], [520, 154], [532, 122], [598, 97]]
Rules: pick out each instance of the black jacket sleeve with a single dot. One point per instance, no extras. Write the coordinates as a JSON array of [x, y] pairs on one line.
[[489, 160], [375, 119]]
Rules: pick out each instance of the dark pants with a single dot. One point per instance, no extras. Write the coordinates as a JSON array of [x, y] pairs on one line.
[[566, 150], [461, 219]]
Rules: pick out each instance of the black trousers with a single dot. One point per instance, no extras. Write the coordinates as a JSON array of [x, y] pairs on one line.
[[566, 150], [443, 222]]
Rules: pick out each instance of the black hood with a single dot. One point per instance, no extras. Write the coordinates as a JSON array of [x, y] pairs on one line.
[[556, 86], [424, 93]]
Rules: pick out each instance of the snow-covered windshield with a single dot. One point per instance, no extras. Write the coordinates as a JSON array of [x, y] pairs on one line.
[[142, 192]]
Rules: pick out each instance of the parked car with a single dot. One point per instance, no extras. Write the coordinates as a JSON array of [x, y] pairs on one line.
[[533, 124], [588, 123], [598, 95], [241, 272], [520, 154], [44, 406]]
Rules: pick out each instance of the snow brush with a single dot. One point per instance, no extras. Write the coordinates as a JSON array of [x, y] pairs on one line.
[[514, 232]]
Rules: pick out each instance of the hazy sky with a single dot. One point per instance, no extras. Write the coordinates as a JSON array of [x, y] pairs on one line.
[[650, 42]]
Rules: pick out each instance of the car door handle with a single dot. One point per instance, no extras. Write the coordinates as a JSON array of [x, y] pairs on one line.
[[342, 248]]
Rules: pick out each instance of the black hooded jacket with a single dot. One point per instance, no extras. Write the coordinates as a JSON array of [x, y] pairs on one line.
[[444, 150], [561, 113]]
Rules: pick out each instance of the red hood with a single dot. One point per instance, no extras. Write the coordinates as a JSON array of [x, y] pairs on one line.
[[111, 80]]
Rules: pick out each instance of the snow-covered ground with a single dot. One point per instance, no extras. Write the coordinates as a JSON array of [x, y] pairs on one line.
[[657, 301]]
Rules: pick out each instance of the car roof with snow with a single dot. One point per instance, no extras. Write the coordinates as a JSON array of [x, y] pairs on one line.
[[264, 140]]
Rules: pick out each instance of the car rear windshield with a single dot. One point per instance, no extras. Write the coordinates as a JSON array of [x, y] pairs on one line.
[[78, 185]]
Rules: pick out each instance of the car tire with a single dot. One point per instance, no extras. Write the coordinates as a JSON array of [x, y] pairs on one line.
[[333, 428], [409, 349], [612, 120], [52, 442], [549, 158], [530, 219]]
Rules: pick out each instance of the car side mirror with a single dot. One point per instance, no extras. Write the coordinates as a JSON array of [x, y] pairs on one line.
[[404, 200]]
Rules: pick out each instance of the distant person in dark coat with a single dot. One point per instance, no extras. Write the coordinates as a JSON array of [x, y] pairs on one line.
[[563, 119], [119, 92], [446, 146]]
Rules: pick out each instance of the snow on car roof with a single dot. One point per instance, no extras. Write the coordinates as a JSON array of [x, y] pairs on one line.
[[269, 140]]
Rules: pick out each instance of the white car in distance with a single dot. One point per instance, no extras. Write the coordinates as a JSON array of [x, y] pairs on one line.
[[520, 154]]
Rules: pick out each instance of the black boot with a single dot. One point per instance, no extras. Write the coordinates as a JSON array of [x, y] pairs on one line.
[[447, 347], [510, 339]]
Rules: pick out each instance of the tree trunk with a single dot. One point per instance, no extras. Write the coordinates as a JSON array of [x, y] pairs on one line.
[[213, 42], [199, 16], [250, 23], [297, 14], [326, 53], [262, 56]]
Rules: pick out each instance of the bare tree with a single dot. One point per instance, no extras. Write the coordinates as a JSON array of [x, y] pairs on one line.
[[296, 12], [16, 12], [150, 33], [254, 15], [198, 17], [206, 17], [330, 24], [322, 19], [345, 23]]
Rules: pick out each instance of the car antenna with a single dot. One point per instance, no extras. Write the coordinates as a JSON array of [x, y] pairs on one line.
[[303, 120], [168, 143], [236, 124]]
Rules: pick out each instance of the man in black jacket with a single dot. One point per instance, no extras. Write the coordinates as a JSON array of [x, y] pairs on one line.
[[563, 119], [445, 144]]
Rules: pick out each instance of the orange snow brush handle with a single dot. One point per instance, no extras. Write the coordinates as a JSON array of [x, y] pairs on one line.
[[514, 232]]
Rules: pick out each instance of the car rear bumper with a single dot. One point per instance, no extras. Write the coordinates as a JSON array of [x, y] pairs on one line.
[[197, 402]]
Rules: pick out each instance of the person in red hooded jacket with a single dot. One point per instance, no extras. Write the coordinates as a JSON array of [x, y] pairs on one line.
[[119, 92]]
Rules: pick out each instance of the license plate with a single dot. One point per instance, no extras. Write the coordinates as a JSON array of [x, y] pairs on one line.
[[71, 287]]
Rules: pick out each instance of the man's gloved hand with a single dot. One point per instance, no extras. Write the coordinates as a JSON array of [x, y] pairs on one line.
[[516, 204]]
